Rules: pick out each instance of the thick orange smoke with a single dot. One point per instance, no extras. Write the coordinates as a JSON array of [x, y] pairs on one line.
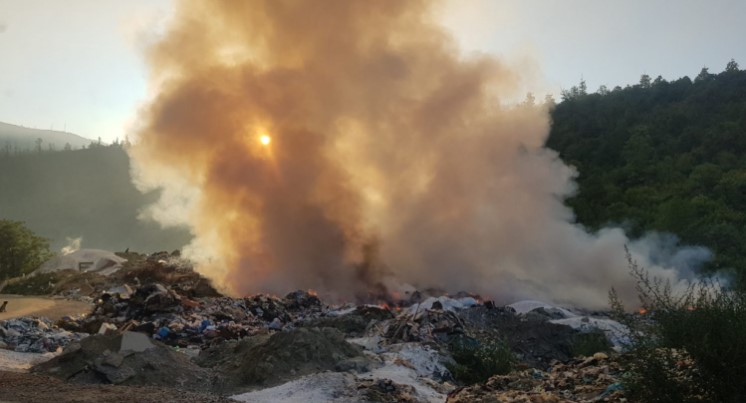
[[388, 156]]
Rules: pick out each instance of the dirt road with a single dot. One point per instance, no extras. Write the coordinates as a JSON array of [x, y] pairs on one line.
[[18, 387], [21, 305]]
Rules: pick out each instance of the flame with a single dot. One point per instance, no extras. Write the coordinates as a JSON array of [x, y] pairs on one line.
[[313, 293], [642, 311], [265, 139]]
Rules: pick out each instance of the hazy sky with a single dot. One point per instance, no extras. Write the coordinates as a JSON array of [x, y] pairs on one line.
[[77, 64]]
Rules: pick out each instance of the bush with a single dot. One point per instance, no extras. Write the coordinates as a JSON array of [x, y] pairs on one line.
[[21, 251], [690, 346], [40, 284], [587, 344], [477, 361]]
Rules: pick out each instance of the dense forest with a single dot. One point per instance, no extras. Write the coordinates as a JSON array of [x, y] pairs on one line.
[[664, 156], [81, 193]]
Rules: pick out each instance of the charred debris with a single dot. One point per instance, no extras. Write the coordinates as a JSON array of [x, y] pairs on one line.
[[157, 322]]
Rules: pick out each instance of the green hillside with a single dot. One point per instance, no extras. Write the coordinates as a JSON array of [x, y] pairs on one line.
[[660, 155], [81, 193]]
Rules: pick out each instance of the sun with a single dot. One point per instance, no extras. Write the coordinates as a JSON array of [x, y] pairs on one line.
[[265, 139]]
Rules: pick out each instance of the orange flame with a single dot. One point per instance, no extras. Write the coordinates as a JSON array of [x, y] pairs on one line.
[[642, 311]]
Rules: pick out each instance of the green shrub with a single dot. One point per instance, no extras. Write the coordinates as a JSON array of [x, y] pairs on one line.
[[587, 344], [21, 251], [40, 284], [704, 325], [477, 361]]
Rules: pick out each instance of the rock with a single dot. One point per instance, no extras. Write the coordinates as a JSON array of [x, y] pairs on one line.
[[600, 356], [128, 359], [135, 342], [276, 324], [107, 328]]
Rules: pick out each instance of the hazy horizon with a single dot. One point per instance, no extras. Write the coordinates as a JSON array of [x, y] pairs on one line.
[[79, 66]]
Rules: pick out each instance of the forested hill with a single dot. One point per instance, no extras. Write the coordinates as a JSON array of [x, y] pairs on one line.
[[659, 155], [81, 193]]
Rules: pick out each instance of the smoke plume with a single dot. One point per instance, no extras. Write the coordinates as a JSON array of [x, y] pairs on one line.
[[340, 145]]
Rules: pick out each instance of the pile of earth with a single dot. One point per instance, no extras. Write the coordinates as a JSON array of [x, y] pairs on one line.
[[129, 358], [262, 361]]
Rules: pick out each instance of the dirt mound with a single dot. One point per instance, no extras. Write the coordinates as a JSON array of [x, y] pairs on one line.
[[19, 387], [267, 361], [127, 359]]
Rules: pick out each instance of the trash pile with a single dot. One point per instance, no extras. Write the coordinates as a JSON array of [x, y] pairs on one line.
[[156, 322], [35, 335], [129, 358], [592, 379], [178, 320], [132, 268]]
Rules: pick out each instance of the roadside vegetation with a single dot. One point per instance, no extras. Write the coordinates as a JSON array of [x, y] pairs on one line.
[[689, 345]]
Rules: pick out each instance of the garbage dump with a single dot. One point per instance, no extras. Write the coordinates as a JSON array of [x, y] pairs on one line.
[[35, 335], [157, 323]]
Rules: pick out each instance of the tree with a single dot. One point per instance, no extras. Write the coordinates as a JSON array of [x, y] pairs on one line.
[[732, 66], [645, 81], [583, 88], [704, 75], [21, 251]]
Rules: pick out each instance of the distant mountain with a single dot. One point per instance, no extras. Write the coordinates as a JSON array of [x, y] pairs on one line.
[[21, 138]]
